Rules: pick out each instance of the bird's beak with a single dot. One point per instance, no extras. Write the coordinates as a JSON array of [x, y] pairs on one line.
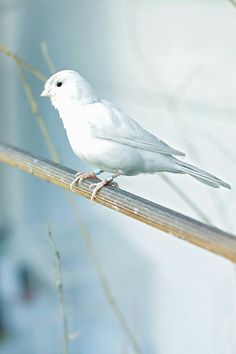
[[45, 93]]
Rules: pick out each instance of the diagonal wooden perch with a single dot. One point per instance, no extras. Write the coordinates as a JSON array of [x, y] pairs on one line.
[[176, 224]]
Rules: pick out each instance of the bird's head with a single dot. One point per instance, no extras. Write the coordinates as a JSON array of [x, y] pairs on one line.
[[66, 86]]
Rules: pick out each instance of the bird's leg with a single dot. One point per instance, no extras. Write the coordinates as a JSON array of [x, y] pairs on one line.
[[100, 185], [80, 176]]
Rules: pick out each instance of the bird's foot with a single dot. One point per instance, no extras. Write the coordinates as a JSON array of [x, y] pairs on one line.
[[97, 186], [80, 176]]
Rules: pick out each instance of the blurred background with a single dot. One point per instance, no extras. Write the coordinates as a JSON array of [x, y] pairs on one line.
[[128, 288]]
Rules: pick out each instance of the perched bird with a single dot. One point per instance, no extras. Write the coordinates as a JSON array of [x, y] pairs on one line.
[[103, 136]]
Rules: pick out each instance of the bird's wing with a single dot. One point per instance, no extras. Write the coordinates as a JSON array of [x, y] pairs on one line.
[[117, 127]]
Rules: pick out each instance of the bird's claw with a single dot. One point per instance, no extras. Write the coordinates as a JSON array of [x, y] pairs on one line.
[[73, 183], [97, 186], [80, 176]]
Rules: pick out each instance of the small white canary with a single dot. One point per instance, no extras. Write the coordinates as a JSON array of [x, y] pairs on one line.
[[103, 136]]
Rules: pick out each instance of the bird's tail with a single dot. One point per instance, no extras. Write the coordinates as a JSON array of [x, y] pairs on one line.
[[201, 175]]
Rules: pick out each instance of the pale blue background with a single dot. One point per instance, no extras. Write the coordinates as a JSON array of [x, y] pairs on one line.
[[170, 65]]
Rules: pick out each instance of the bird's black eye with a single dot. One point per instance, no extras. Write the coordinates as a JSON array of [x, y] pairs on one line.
[[59, 84]]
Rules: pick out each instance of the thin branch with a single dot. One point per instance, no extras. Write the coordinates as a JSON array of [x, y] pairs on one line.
[[176, 224], [186, 198], [227, 155], [47, 57], [35, 111], [30, 98], [35, 72], [233, 2], [60, 291], [226, 152]]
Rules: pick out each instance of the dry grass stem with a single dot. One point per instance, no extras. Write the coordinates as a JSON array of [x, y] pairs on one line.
[[186, 198], [35, 72], [40, 122], [47, 57], [60, 291]]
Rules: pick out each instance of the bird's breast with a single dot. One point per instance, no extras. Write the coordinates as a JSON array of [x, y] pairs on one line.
[[105, 154], [79, 137]]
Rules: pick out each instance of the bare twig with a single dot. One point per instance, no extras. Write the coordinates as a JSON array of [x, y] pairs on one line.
[[233, 2], [35, 111], [30, 97], [186, 198], [35, 72], [47, 57], [176, 224], [226, 152], [229, 156], [60, 291]]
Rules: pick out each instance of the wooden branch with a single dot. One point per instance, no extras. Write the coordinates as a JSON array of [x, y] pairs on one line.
[[176, 224]]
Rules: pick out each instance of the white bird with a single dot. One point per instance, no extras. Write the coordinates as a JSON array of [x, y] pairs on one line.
[[103, 136]]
